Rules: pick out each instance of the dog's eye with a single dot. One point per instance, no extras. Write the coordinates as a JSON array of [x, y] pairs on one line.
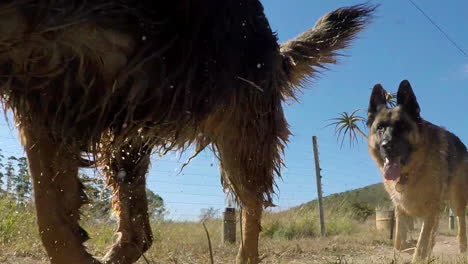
[[401, 126], [380, 127]]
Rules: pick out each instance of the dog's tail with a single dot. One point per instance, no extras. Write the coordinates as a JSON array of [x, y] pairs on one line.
[[308, 52]]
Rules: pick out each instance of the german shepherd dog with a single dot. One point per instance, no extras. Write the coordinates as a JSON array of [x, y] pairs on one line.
[[422, 166], [123, 79]]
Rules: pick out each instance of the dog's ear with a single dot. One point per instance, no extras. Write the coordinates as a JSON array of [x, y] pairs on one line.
[[407, 99], [377, 102]]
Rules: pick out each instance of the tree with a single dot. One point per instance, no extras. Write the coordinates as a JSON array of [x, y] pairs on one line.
[[348, 125], [100, 197], [156, 208], [1, 172], [208, 213], [98, 194], [10, 174], [22, 181]]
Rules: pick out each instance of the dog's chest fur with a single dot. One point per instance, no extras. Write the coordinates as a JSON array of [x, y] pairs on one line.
[[421, 191], [426, 178]]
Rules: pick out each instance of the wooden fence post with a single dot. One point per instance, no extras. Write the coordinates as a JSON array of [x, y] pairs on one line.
[[229, 225], [451, 220], [319, 185]]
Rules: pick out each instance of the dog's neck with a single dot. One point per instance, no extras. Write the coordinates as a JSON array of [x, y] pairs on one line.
[[400, 184]]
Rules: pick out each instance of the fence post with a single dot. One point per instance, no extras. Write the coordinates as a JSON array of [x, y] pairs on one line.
[[319, 185], [229, 225], [451, 220]]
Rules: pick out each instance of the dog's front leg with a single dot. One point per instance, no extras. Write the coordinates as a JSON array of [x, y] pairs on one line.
[[401, 229], [424, 246]]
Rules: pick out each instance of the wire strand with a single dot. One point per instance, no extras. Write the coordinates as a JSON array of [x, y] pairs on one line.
[[439, 28]]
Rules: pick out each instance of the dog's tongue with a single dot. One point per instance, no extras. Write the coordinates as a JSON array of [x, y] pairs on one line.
[[391, 170]]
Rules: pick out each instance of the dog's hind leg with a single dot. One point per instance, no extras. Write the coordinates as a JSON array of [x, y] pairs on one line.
[[126, 174], [461, 231], [251, 227], [237, 174], [435, 227], [459, 209], [250, 145], [58, 195], [458, 205]]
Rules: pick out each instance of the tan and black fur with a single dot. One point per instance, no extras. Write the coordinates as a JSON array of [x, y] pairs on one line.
[[422, 164], [121, 79]]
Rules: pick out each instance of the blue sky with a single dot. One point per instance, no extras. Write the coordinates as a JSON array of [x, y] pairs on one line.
[[399, 44]]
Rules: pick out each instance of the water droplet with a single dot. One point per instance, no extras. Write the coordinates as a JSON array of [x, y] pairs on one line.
[[121, 174]]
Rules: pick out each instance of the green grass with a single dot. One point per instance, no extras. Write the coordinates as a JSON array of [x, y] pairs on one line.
[[18, 229], [304, 223]]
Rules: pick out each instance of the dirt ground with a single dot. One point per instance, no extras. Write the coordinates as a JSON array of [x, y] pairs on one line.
[[327, 250]]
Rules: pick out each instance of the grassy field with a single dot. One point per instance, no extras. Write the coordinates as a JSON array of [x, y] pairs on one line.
[[287, 237]]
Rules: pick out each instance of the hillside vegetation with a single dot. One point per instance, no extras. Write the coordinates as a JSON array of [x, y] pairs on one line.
[[362, 201]]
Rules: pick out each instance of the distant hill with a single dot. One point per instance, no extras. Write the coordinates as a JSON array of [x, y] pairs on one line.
[[363, 200]]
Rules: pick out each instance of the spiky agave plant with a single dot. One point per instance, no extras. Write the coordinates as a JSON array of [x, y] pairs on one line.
[[348, 125], [391, 99]]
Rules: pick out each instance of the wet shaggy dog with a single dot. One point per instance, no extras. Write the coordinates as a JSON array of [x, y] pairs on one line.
[[121, 79], [422, 165]]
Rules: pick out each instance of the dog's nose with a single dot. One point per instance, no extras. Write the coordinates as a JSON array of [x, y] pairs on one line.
[[387, 145]]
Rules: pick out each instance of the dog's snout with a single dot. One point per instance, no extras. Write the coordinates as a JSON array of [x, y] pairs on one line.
[[387, 145]]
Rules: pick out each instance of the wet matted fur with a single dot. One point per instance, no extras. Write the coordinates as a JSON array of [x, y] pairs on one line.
[[422, 164], [122, 79]]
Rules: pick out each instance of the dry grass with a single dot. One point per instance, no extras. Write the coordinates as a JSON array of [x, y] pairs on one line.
[[287, 238]]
